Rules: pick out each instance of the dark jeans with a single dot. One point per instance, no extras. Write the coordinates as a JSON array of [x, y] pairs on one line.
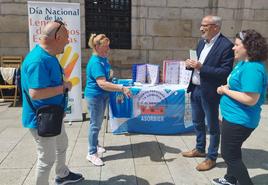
[[232, 138], [201, 109]]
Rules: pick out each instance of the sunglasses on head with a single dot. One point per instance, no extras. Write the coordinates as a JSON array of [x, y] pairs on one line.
[[57, 30], [242, 35]]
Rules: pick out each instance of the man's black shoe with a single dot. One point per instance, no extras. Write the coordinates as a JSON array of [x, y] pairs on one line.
[[71, 178]]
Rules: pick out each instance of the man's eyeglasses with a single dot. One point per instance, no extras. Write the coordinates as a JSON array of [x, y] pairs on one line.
[[206, 25], [57, 30]]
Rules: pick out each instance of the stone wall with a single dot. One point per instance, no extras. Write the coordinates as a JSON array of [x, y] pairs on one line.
[[161, 29]]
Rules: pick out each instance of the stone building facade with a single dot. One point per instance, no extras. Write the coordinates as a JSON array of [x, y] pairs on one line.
[[161, 29]]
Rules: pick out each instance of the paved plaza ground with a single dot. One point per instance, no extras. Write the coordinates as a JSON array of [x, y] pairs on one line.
[[134, 159]]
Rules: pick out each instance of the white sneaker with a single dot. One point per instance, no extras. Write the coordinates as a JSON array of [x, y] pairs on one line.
[[100, 150], [221, 181], [95, 159]]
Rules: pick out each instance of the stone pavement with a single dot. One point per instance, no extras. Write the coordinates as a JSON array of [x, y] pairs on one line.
[[133, 159]]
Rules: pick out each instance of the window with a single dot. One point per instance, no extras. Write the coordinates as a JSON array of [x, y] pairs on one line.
[[111, 17]]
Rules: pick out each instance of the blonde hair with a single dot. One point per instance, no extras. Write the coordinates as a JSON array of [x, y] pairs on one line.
[[92, 42]]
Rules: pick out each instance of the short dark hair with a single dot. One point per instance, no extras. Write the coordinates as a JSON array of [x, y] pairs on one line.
[[254, 43]]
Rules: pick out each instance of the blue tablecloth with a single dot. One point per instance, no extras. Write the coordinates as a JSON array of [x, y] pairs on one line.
[[161, 109]]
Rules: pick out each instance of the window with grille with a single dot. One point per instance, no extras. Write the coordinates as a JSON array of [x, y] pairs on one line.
[[111, 17]]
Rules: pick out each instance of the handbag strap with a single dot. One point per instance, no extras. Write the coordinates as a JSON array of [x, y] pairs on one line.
[[31, 104], [29, 100]]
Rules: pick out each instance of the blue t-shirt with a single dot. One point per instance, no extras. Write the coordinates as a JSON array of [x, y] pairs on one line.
[[39, 70], [97, 67], [246, 77]]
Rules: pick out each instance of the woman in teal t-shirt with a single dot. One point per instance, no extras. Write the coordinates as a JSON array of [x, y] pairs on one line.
[[97, 90], [241, 103]]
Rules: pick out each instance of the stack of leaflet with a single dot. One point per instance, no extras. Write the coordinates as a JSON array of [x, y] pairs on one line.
[[145, 73], [175, 72]]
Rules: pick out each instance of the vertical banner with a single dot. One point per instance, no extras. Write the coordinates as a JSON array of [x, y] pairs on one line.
[[39, 14]]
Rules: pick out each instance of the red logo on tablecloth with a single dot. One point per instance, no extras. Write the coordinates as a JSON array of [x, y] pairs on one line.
[[152, 110]]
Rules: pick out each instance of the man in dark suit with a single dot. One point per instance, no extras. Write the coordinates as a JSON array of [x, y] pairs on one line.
[[215, 61]]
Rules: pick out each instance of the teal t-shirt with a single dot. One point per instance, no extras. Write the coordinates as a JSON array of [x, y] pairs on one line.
[[97, 67], [39, 70], [246, 77]]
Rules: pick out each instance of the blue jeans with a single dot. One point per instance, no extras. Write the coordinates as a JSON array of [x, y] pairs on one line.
[[203, 108], [96, 108]]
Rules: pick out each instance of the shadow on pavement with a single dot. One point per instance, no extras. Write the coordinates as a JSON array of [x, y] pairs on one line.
[[117, 180], [121, 180], [253, 158], [155, 150], [260, 179]]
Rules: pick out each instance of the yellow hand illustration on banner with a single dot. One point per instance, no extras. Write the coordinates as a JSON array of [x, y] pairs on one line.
[[68, 64]]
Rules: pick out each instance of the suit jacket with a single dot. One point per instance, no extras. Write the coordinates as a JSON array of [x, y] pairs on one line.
[[216, 67]]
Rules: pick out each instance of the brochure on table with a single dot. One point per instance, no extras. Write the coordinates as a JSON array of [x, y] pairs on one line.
[[175, 72], [146, 73]]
